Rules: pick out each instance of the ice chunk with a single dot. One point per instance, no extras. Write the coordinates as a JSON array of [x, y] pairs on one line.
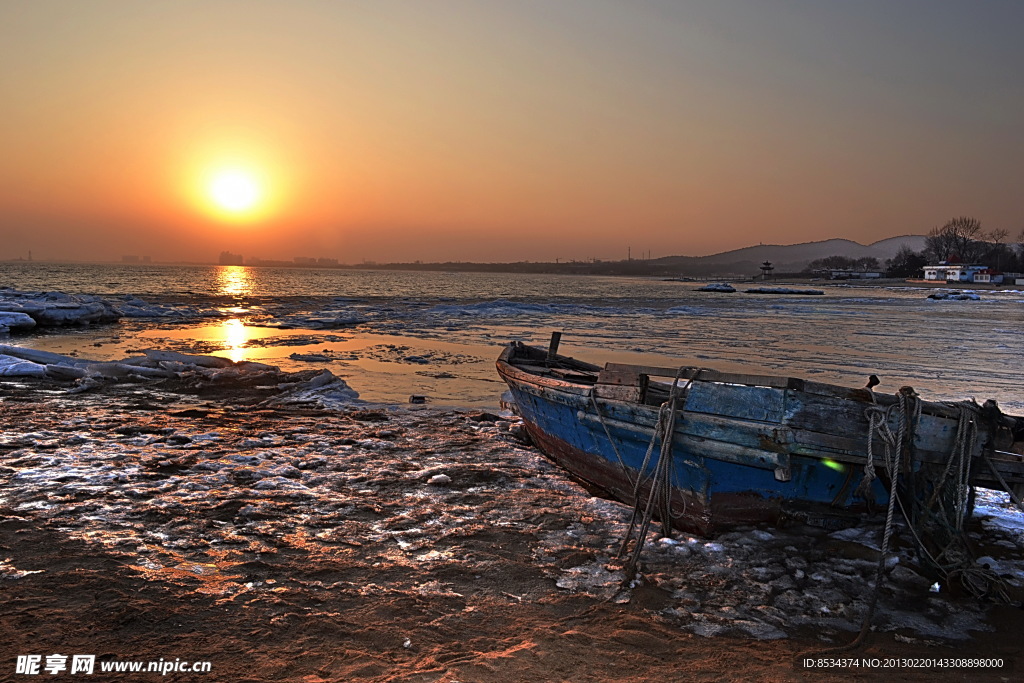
[[724, 287], [42, 357], [201, 361], [954, 295], [16, 367], [15, 320]]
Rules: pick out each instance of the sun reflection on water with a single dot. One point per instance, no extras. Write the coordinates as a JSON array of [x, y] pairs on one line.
[[235, 337], [234, 280]]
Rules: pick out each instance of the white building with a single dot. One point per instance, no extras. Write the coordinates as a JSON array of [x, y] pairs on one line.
[[958, 272], [988, 276]]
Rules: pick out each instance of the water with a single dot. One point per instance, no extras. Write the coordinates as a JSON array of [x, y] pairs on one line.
[[452, 326]]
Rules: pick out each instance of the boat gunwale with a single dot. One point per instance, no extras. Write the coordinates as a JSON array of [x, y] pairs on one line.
[[940, 409], [518, 352]]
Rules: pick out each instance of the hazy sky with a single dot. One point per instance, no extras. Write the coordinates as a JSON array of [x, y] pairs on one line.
[[501, 131]]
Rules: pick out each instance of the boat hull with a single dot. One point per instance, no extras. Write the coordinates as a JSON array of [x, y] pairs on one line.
[[691, 510], [741, 453], [707, 495]]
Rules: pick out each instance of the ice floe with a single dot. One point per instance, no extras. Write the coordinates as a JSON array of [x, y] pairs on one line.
[[18, 321], [323, 389], [723, 287], [11, 366], [22, 311], [954, 295], [784, 290]]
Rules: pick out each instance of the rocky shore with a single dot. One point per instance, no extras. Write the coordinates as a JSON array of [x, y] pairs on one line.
[[252, 525]]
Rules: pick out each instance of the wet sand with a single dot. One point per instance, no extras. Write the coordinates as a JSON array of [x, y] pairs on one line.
[[392, 543]]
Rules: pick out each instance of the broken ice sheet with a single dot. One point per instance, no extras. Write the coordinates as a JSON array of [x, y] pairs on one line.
[[9, 571], [212, 501], [592, 577]]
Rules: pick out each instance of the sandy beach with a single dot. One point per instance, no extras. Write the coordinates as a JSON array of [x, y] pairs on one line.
[[190, 522]]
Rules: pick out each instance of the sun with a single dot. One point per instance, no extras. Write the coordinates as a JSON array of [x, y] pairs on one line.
[[233, 186], [235, 192]]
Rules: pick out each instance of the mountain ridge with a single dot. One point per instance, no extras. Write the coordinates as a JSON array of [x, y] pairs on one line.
[[789, 257]]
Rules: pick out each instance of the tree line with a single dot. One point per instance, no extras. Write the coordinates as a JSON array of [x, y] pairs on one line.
[[960, 240]]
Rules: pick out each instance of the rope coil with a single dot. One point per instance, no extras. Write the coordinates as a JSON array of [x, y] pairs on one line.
[[939, 504]]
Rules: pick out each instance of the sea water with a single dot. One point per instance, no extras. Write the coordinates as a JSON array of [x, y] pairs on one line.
[[393, 334]]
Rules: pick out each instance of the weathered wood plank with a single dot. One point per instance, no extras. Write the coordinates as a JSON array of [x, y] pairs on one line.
[[574, 375], [620, 377], [760, 435], [533, 369], [830, 415], [621, 373], [704, 447], [618, 393], [761, 403], [625, 371]]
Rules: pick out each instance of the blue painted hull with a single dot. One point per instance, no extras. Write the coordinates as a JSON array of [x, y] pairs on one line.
[[740, 454]]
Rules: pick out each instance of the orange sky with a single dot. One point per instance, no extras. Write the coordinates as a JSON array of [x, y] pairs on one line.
[[501, 131]]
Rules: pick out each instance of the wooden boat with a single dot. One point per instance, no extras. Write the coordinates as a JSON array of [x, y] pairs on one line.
[[748, 449]]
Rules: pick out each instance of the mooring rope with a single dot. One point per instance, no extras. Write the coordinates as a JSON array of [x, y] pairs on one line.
[[895, 443], [607, 433], [908, 407], [660, 490], [933, 519], [940, 520], [942, 517]]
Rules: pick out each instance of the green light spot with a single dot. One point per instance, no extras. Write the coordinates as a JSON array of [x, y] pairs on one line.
[[837, 466]]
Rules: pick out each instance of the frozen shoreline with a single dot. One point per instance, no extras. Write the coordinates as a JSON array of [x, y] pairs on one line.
[[192, 448], [444, 347]]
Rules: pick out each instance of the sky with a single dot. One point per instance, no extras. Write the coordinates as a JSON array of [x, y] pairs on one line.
[[537, 130]]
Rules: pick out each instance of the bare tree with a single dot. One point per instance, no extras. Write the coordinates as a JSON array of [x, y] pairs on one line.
[[939, 245], [998, 249], [997, 236], [960, 238]]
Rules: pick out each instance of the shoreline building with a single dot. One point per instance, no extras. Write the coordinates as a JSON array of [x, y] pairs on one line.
[[960, 272]]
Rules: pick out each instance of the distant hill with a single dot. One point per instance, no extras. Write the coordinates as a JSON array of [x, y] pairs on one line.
[[789, 258]]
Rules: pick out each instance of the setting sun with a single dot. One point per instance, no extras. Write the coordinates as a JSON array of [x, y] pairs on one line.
[[234, 191], [234, 182]]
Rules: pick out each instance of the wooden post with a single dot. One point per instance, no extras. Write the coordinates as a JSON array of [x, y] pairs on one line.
[[556, 337]]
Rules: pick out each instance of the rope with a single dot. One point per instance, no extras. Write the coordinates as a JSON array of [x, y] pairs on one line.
[[607, 433], [894, 447], [935, 520], [1013, 496], [878, 423], [893, 468], [909, 407], [939, 522], [660, 481]]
